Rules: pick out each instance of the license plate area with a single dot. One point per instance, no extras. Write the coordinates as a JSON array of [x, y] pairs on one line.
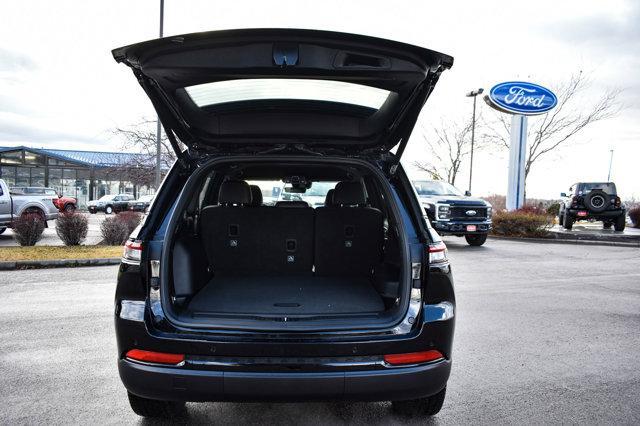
[[472, 228]]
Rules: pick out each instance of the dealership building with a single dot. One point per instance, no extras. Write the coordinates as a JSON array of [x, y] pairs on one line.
[[85, 175]]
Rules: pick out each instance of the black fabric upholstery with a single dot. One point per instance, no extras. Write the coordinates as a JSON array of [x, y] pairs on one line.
[[295, 204], [288, 240], [328, 201], [256, 195], [234, 192], [349, 194], [348, 236]]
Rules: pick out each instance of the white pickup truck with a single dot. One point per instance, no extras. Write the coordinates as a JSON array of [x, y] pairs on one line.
[[15, 205]]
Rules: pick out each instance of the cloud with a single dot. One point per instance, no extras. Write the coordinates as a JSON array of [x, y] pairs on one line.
[[14, 61], [15, 128]]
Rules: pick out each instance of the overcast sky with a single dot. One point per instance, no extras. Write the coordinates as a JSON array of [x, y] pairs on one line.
[[59, 86]]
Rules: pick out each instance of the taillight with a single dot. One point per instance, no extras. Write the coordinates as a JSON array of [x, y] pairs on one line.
[[154, 357], [617, 202], [132, 252], [438, 252], [413, 357]]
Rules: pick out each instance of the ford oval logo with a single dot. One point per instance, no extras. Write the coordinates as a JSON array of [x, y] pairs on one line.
[[471, 212], [519, 97]]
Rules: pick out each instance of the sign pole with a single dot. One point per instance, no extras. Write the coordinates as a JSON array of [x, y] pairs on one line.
[[517, 155]]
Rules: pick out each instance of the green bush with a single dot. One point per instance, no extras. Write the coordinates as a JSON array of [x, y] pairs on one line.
[[520, 223], [553, 209], [72, 228], [28, 229]]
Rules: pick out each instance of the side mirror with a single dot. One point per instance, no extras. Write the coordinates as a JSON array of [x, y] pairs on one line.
[[467, 193], [563, 194]]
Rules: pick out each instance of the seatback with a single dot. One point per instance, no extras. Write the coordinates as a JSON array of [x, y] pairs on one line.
[[348, 235], [256, 195], [288, 244], [230, 231]]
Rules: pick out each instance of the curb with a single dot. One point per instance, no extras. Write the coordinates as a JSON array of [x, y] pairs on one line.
[[574, 241], [58, 263]]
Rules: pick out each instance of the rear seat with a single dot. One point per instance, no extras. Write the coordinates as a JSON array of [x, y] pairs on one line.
[[231, 233], [240, 236], [348, 234]]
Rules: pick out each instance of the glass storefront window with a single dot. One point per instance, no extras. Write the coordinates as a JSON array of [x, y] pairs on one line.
[[23, 176], [14, 157], [8, 173], [37, 176], [33, 158]]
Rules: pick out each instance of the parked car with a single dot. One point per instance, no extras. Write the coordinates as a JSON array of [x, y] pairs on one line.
[[221, 298], [453, 212], [15, 205], [593, 201], [141, 204], [63, 203], [110, 203]]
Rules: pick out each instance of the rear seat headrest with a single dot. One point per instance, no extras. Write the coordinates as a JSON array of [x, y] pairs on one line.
[[328, 201], [295, 204], [256, 195], [349, 193], [234, 192]]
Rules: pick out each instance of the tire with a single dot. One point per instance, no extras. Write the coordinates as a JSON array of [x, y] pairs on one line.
[[606, 225], [108, 210], [69, 208], [560, 218], [2, 230], [620, 223], [596, 201], [476, 240], [158, 409], [429, 406], [567, 222]]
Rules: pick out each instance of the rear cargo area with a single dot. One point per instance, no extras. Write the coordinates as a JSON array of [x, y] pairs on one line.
[[286, 295], [246, 258]]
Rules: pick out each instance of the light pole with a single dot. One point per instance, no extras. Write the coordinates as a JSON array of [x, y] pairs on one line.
[[159, 129], [610, 163], [473, 94]]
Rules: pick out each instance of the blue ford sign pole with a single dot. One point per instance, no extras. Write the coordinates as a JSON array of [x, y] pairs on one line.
[[520, 99]]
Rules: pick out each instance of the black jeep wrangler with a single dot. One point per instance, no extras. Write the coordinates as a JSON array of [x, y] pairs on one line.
[[592, 201]]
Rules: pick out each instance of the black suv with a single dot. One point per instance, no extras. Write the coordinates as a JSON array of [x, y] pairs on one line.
[[224, 294], [453, 212], [592, 201]]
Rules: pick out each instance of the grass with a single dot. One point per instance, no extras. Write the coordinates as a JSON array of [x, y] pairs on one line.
[[9, 254]]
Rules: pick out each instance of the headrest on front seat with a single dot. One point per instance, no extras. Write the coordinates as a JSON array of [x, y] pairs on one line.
[[328, 201], [234, 192], [256, 195], [349, 194]]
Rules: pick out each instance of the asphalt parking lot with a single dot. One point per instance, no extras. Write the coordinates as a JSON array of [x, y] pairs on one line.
[[546, 333]]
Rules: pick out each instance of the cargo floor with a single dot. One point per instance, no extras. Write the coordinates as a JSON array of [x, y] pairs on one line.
[[287, 295]]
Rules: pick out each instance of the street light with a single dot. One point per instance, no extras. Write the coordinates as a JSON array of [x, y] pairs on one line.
[[610, 163], [473, 94], [159, 129]]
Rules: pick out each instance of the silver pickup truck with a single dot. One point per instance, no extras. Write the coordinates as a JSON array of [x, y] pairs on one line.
[[14, 205]]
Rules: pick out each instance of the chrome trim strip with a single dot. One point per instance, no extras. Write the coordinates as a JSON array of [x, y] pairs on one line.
[[439, 312], [132, 310]]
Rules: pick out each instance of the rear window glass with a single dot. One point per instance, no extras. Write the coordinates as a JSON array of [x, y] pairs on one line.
[[608, 187], [221, 92], [275, 190]]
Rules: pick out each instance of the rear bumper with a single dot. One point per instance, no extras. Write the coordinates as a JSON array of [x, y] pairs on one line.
[[184, 384], [607, 214]]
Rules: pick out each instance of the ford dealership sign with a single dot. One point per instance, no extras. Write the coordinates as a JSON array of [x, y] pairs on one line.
[[519, 97]]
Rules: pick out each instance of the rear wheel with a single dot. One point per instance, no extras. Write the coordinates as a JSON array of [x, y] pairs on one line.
[[153, 408], [607, 225], [620, 223], [2, 230], [420, 407], [69, 208], [567, 221], [476, 239]]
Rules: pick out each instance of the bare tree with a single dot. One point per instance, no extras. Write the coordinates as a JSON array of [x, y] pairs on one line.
[[558, 127], [447, 146], [140, 138]]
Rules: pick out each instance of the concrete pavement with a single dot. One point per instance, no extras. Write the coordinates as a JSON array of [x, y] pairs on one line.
[[546, 333]]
